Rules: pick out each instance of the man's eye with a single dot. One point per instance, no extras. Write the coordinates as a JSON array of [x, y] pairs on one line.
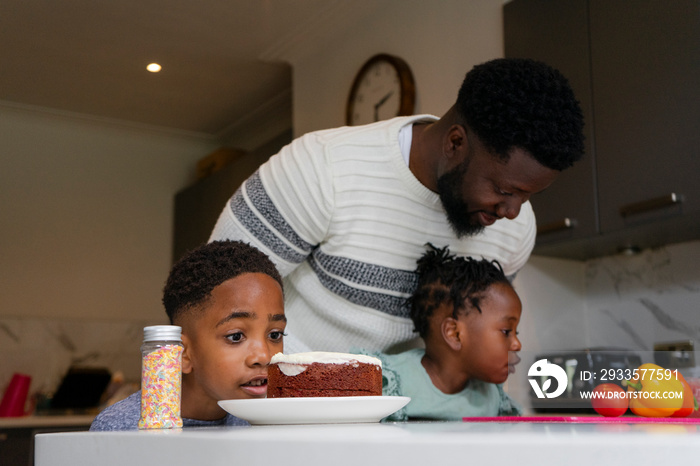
[[503, 193], [235, 337], [506, 332]]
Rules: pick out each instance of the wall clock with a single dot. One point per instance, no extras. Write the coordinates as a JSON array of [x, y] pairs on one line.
[[382, 89]]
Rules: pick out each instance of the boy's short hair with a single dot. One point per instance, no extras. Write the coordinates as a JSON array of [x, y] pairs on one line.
[[198, 272], [521, 103], [447, 278]]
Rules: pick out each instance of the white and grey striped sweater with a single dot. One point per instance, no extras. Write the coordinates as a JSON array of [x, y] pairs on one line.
[[344, 220]]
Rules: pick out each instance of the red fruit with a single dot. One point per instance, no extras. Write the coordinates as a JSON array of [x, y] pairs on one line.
[[609, 400]]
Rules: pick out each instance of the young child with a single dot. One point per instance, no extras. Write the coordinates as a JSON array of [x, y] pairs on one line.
[[467, 313], [227, 296]]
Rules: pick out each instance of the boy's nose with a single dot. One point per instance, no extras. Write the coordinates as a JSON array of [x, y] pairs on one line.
[[516, 346], [259, 354]]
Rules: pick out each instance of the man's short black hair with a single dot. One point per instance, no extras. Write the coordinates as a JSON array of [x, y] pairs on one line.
[[445, 278], [198, 272], [520, 103]]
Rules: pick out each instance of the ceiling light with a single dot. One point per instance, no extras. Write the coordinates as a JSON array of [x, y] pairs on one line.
[[153, 67]]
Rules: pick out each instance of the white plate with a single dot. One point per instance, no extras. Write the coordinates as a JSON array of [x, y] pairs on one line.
[[315, 410]]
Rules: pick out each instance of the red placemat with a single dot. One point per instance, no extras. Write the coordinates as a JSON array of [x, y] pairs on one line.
[[587, 419]]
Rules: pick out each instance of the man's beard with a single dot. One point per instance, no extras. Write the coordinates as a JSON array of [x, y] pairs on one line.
[[449, 186]]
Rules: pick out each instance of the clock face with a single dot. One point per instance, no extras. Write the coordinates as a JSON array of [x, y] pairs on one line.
[[382, 89]]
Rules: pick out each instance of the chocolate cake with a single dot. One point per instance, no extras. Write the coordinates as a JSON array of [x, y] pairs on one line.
[[323, 374]]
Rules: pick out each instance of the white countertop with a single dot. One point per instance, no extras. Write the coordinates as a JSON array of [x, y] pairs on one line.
[[403, 444]]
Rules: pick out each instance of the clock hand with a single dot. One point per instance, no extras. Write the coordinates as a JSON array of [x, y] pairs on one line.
[[379, 104]]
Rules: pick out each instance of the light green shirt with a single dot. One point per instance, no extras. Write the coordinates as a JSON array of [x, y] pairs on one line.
[[404, 375]]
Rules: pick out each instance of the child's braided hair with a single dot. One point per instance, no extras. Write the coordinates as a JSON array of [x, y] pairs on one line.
[[447, 278]]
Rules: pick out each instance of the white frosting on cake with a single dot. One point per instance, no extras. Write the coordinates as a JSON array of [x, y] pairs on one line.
[[290, 370], [322, 357]]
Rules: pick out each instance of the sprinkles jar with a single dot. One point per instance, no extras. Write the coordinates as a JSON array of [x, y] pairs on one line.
[[161, 377]]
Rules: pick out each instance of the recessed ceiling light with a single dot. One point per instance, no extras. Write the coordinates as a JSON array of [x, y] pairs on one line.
[[153, 67]]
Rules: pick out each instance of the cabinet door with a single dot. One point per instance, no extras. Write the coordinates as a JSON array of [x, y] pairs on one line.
[[645, 58], [556, 33]]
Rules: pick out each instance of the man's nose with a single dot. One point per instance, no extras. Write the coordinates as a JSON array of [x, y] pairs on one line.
[[509, 208]]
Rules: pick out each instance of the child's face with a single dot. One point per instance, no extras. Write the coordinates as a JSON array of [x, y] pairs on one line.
[[491, 334], [228, 344]]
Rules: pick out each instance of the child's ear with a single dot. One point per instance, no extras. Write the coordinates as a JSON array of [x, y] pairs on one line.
[[186, 360], [452, 333]]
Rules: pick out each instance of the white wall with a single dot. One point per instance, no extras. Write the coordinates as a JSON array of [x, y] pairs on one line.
[[86, 210], [440, 40]]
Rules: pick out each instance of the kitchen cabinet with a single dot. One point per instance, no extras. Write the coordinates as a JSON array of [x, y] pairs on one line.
[[198, 206], [635, 68], [17, 434]]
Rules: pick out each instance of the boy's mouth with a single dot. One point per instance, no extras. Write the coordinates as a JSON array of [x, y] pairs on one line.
[[256, 388], [513, 360], [256, 383]]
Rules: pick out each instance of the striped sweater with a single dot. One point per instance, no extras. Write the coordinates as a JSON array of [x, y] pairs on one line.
[[344, 219]]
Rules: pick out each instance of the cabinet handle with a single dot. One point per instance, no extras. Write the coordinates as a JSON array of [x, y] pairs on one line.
[[651, 204], [559, 225]]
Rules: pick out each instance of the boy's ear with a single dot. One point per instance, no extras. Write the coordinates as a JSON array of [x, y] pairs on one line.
[[452, 333], [186, 359]]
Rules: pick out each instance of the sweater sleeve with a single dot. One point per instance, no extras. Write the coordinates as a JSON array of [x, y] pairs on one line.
[[284, 208], [123, 415]]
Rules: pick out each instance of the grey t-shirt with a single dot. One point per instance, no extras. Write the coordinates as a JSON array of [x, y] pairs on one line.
[[125, 414]]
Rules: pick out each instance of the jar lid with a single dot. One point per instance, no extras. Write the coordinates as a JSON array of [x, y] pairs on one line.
[[162, 333]]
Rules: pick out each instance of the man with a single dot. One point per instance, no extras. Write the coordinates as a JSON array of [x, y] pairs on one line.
[[345, 213]]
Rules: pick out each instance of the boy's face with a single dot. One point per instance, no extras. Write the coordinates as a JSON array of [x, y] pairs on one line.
[[229, 343], [491, 335]]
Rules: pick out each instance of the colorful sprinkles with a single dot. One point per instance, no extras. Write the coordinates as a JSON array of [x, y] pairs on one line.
[[161, 388]]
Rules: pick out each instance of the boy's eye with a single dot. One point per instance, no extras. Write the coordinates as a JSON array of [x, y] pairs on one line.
[[235, 337], [277, 335]]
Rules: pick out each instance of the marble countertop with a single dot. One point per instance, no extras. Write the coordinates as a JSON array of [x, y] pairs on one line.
[[382, 444]]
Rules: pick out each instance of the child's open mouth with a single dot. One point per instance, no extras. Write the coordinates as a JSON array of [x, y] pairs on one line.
[[257, 383], [256, 387]]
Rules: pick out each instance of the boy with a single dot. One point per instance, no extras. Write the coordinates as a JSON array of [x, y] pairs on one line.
[[467, 313], [227, 296]]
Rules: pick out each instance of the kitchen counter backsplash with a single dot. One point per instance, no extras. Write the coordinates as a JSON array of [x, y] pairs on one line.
[[636, 301], [46, 348], [615, 302]]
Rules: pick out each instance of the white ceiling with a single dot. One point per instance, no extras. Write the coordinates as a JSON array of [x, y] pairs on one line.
[[89, 57]]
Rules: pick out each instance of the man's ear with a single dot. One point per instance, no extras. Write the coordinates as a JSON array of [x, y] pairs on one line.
[[186, 359], [452, 333], [455, 142]]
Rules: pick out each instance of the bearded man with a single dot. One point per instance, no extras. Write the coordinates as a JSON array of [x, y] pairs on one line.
[[344, 213]]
